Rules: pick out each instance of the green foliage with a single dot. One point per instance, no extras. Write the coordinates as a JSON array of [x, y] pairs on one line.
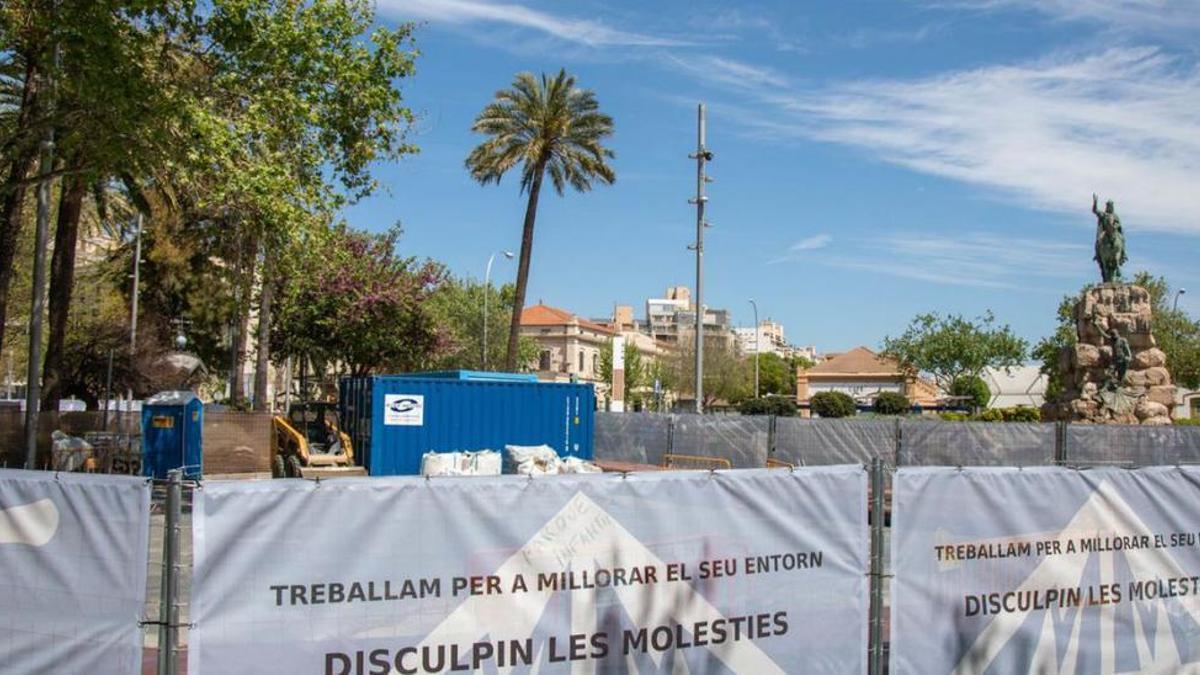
[[949, 347], [1048, 351], [457, 309], [350, 300], [776, 375], [728, 377], [954, 416], [832, 404], [1016, 414], [779, 406], [974, 388], [891, 403], [1188, 421]]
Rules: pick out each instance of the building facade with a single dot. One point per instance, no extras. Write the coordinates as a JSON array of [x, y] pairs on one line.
[[569, 347], [863, 375], [672, 320]]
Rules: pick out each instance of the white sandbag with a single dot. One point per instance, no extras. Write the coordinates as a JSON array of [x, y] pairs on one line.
[[577, 465], [532, 460], [442, 464], [485, 463], [69, 453]]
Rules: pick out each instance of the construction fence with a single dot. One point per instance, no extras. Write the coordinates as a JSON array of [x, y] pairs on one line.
[[748, 442]]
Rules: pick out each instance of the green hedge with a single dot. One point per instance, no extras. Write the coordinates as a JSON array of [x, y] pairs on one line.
[[833, 404], [780, 406], [890, 403]]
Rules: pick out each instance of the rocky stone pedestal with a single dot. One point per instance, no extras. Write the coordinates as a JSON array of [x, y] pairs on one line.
[[1145, 395]]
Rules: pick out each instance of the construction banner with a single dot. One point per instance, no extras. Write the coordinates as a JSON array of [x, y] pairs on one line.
[[72, 572], [1046, 570], [705, 572]]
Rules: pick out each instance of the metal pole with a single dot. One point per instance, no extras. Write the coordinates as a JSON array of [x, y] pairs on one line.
[[168, 630], [757, 346], [1175, 303], [107, 392], [875, 653], [33, 384], [487, 285], [702, 155]]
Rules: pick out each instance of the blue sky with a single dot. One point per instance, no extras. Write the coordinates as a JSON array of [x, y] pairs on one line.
[[873, 160]]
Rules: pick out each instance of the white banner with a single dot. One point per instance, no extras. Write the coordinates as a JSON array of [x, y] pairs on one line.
[[730, 572], [73, 554], [1046, 570]]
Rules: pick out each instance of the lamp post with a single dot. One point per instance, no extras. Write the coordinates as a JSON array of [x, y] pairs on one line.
[[1175, 304], [757, 350], [487, 287]]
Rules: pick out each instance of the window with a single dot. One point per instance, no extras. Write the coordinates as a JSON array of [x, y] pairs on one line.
[[581, 362], [596, 364], [544, 360]]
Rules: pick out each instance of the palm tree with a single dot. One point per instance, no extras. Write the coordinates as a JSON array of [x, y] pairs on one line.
[[543, 125]]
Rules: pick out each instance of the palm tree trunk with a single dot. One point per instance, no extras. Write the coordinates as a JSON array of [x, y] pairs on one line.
[[62, 284], [14, 190], [514, 328], [263, 352]]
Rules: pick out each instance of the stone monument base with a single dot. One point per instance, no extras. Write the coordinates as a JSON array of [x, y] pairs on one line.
[[1092, 394]]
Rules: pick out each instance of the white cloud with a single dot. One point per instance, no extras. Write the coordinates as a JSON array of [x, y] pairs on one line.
[[794, 251], [728, 72], [969, 259], [1124, 123], [1119, 14], [581, 31]]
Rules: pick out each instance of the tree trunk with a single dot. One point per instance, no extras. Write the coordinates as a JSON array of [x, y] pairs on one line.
[[262, 362], [62, 283], [13, 189], [237, 388], [514, 329]]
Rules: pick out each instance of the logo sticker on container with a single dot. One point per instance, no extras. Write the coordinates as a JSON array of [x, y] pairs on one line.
[[404, 410]]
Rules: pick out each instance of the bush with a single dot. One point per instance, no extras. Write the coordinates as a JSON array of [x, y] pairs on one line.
[[781, 406], [990, 415], [974, 388], [832, 404], [1188, 421], [954, 417], [1017, 414], [890, 403]]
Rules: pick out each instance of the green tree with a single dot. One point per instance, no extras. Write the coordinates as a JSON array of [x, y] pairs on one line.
[[949, 347], [833, 404], [776, 375], [976, 391], [728, 377], [348, 302], [546, 126], [456, 307], [891, 403], [780, 406]]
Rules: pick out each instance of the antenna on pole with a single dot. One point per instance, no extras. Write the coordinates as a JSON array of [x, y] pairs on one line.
[[702, 155]]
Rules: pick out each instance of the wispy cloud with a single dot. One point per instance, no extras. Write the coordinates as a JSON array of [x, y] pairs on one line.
[[1118, 14], [581, 31], [1124, 122], [976, 259], [727, 72], [794, 251]]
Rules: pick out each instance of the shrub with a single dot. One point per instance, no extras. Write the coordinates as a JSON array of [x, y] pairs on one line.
[[832, 404], [1188, 421], [974, 388], [781, 406], [1022, 413], [954, 417], [991, 415], [890, 403]]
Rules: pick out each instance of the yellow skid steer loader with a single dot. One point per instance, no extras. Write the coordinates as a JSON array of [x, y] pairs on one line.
[[309, 443]]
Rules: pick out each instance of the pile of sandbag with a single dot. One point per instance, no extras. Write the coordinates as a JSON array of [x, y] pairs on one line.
[[69, 453], [542, 460], [468, 463]]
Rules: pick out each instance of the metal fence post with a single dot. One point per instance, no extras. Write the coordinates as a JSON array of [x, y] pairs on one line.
[[671, 434], [875, 648], [1060, 445], [771, 435], [168, 611], [898, 443]]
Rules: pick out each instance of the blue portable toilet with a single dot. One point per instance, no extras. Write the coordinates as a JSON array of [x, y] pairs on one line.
[[172, 424]]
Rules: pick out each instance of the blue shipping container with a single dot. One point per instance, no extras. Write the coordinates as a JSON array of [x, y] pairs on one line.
[[393, 420], [172, 426]]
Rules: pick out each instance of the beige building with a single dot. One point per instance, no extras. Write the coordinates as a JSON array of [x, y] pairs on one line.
[[568, 346], [672, 320], [863, 375]]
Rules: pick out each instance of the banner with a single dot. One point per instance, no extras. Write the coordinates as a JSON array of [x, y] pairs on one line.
[[728, 572], [73, 554], [1046, 570]]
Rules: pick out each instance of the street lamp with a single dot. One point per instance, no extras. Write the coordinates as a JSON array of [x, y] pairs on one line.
[[487, 287], [757, 332], [1175, 304]]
